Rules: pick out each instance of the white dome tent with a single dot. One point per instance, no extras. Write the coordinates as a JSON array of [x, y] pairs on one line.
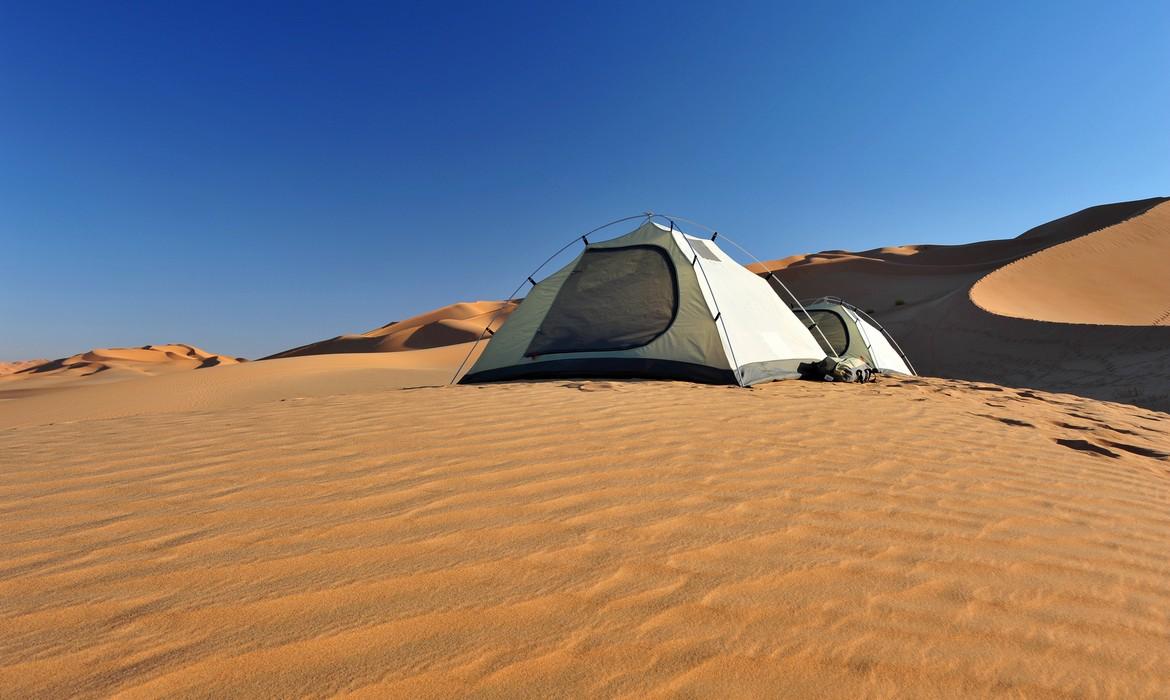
[[653, 303]]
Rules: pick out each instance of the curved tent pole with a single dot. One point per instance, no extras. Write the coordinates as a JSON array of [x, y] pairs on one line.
[[771, 275], [529, 279], [883, 331]]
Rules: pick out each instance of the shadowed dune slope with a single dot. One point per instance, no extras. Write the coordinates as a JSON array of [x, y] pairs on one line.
[[448, 325], [923, 294], [531, 540], [1092, 219], [19, 365]]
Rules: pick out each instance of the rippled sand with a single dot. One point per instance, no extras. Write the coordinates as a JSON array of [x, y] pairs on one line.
[[913, 537]]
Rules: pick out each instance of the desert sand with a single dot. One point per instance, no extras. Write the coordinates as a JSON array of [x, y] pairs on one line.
[[1080, 304], [339, 521], [912, 537], [421, 350], [229, 387]]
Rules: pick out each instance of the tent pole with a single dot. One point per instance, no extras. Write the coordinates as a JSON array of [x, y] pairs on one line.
[[711, 290]]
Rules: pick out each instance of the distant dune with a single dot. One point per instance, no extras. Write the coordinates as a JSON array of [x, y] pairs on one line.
[[18, 365], [1080, 304], [231, 386], [448, 325], [103, 365], [441, 330]]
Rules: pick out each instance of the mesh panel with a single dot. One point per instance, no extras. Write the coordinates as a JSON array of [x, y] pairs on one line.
[[704, 251], [614, 299], [833, 326]]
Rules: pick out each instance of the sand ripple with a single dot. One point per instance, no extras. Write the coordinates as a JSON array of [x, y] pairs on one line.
[[914, 537]]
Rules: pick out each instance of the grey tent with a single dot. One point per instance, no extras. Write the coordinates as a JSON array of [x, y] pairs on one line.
[[653, 303], [850, 332]]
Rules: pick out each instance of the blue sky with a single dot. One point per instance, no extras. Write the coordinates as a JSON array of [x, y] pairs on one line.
[[252, 179]]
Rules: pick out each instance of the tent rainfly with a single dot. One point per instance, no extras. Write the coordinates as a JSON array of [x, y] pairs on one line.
[[850, 332], [654, 303]]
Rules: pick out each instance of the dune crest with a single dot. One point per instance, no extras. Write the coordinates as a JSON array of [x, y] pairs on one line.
[[448, 325]]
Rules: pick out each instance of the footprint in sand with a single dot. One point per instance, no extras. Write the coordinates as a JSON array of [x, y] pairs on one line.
[[590, 386], [1007, 421], [1138, 450], [1086, 446]]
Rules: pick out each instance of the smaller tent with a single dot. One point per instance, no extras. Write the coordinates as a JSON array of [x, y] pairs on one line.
[[850, 332]]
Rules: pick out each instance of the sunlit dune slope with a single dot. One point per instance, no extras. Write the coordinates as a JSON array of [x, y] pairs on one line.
[[448, 325], [1119, 275], [924, 295], [912, 538]]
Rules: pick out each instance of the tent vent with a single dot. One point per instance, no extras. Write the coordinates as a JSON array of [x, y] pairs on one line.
[[702, 249]]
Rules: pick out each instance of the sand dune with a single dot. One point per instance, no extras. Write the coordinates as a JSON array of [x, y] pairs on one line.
[[448, 325], [1104, 265], [1117, 276], [18, 365], [106, 365], [917, 537]]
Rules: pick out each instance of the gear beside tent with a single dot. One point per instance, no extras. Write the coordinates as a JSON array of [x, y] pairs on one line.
[[847, 331], [654, 303]]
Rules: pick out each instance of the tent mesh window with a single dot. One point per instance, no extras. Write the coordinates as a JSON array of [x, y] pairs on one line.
[[703, 251], [614, 299], [833, 326]]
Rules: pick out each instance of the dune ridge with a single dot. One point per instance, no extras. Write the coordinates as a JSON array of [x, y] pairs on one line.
[[443, 541], [1092, 219]]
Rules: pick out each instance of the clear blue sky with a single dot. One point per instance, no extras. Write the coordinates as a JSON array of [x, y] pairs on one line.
[[253, 179]]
